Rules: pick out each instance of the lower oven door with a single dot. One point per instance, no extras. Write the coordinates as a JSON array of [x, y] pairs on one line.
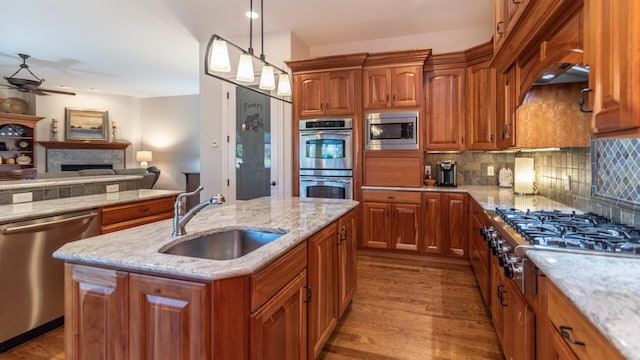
[[333, 187]]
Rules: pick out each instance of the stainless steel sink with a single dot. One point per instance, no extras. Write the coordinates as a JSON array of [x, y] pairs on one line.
[[225, 245]]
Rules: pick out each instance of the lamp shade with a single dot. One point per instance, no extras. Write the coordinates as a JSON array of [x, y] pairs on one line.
[[523, 176], [284, 85], [219, 57], [245, 68], [144, 157], [267, 79]]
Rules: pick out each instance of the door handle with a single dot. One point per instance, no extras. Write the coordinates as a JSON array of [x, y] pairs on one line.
[[273, 183], [32, 227]]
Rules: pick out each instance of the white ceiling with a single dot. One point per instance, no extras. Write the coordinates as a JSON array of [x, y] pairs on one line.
[[151, 47]]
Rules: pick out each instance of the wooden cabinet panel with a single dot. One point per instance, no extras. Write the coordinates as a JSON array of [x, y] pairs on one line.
[[481, 107], [499, 297], [340, 92], [406, 86], [390, 196], [405, 226], [349, 232], [278, 330], [377, 88], [169, 319], [507, 95], [519, 326], [614, 78], [454, 224], [322, 270], [445, 104], [391, 222], [398, 170], [309, 94], [96, 316], [432, 223], [325, 93], [478, 250], [376, 225], [124, 216]]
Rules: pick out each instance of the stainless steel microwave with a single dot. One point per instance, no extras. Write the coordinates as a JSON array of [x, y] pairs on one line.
[[392, 131]]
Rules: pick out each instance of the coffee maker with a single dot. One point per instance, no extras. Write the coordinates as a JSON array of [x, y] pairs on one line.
[[447, 173]]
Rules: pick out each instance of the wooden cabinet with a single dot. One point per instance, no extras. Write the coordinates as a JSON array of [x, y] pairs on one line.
[[322, 277], [499, 296], [391, 219], [445, 102], [393, 168], [124, 216], [348, 239], [445, 223], [614, 33], [519, 330], [279, 329], [112, 314], [17, 146], [507, 95], [574, 334], [506, 14], [481, 107], [432, 223], [392, 87], [478, 250], [325, 93]]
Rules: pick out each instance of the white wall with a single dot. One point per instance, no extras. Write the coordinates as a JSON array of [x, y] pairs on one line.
[[171, 129]]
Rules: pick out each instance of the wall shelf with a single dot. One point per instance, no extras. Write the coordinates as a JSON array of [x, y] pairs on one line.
[[85, 145]]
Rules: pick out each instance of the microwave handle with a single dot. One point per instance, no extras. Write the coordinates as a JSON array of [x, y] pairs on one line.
[[314, 133], [326, 180]]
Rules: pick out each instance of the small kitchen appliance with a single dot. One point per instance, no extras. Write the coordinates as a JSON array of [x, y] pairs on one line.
[[447, 173]]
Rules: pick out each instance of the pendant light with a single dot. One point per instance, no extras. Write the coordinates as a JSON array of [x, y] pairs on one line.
[[217, 64]]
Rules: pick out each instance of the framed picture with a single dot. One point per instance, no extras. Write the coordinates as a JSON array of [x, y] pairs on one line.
[[86, 124]]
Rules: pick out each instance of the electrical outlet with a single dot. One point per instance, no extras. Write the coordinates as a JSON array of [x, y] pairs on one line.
[[22, 197], [490, 171], [113, 188], [427, 169]]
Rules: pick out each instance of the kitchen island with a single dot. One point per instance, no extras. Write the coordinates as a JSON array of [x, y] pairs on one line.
[[124, 297]]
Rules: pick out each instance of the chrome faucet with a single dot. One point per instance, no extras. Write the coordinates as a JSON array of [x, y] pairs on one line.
[[179, 222]]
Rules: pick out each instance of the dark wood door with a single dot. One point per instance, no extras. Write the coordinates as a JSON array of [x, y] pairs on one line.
[[432, 223], [406, 86], [310, 94], [455, 224], [340, 92], [445, 114], [376, 90], [405, 226], [376, 225]]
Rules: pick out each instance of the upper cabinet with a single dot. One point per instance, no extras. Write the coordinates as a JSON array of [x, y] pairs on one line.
[[327, 86], [17, 146], [394, 79], [506, 14], [613, 53], [481, 99]]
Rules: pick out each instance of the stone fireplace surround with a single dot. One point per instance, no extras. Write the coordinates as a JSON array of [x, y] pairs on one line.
[[84, 152]]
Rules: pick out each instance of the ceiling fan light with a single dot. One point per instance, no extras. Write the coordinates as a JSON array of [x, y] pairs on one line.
[[267, 79], [245, 68], [284, 85], [219, 56]]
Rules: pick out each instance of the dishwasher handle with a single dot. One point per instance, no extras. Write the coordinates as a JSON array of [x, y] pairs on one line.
[[31, 227]]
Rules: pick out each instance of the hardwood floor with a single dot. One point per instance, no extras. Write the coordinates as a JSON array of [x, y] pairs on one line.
[[403, 309]]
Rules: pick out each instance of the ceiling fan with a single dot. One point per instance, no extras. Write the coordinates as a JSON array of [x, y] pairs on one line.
[[28, 85]]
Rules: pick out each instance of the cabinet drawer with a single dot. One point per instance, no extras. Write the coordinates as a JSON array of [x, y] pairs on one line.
[[563, 313], [123, 216], [269, 280], [407, 197]]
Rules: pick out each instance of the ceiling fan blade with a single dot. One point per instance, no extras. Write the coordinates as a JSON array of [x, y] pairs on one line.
[[55, 92], [38, 92]]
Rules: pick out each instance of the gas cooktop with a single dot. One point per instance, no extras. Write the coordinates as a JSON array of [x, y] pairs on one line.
[[574, 231]]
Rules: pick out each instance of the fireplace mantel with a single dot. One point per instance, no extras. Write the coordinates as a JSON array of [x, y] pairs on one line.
[[88, 145]]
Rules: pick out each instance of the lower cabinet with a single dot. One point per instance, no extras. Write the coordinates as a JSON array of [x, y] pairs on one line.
[[478, 250], [348, 235], [445, 223], [391, 219], [124, 216]]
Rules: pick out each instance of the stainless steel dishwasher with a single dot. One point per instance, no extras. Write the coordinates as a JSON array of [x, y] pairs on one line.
[[31, 281]]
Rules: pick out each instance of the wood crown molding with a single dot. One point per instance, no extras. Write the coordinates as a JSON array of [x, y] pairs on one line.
[[398, 58], [479, 53], [347, 61], [89, 145]]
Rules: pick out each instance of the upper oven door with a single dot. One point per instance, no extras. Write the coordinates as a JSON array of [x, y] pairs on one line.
[[326, 149]]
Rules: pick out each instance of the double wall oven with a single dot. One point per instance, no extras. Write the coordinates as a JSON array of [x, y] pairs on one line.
[[326, 158]]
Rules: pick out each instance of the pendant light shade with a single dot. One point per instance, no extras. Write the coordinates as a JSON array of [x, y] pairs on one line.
[[219, 57], [284, 85], [245, 68], [267, 79]]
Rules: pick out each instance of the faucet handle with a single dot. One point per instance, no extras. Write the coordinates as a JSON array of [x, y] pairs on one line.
[[217, 199]]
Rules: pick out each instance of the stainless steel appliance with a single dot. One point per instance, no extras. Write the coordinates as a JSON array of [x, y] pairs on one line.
[[326, 144], [447, 173], [31, 281], [392, 131], [516, 231], [326, 184]]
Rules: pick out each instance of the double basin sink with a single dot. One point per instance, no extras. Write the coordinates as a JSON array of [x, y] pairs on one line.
[[225, 245]]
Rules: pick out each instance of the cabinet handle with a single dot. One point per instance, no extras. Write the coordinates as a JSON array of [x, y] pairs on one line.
[[462, 140], [516, 2], [342, 235], [491, 139], [321, 106], [581, 100], [500, 293], [143, 210], [565, 332], [391, 197], [326, 106], [393, 98], [308, 298], [498, 28]]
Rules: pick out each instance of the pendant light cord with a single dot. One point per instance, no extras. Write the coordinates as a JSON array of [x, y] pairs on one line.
[[262, 30], [251, 27]]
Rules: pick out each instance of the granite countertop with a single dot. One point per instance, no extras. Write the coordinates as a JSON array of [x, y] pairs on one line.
[[138, 248], [23, 211], [605, 289]]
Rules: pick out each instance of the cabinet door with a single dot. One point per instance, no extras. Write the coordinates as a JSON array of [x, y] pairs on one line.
[[310, 94], [455, 224], [376, 225], [340, 92], [499, 23], [499, 297], [322, 270], [506, 114], [519, 326], [169, 319], [406, 86], [613, 75], [96, 327], [377, 87], [481, 107], [279, 328], [349, 234], [404, 226], [432, 224], [479, 255], [445, 112]]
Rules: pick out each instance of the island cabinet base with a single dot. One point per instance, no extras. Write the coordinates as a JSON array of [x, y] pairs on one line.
[[277, 312]]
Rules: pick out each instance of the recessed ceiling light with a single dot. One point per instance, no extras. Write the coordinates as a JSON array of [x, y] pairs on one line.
[[94, 89], [251, 15], [64, 87]]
